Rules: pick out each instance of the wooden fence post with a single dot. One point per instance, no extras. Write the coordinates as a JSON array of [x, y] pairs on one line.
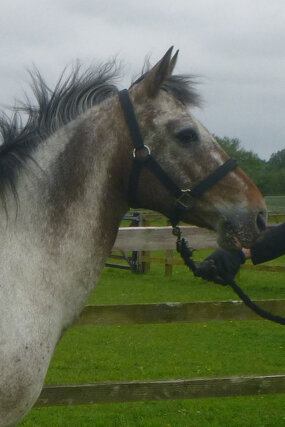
[[145, 264], [169, 262]]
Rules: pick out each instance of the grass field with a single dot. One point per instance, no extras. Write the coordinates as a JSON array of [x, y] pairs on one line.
[[130, 352], [275, 204]]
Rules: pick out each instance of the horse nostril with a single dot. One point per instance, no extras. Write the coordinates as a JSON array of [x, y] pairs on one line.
[[261, 221]]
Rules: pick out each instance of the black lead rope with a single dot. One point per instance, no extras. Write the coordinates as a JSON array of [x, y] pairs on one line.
[[186, 253]]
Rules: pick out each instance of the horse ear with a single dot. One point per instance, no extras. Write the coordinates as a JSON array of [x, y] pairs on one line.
[[157, 75], [173, 63]]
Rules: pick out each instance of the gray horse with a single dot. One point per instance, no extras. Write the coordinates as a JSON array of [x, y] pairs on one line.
[[64, 179]]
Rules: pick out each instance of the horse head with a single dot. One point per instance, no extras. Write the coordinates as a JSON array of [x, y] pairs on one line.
[[187, 153]]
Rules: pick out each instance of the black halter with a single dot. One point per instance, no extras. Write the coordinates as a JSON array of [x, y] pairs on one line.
[[142, 157]]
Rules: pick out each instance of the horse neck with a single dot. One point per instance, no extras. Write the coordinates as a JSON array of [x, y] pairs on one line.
[[71, 221], [87, 188]]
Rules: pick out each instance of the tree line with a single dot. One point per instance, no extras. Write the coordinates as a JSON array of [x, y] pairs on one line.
[[268, 175]]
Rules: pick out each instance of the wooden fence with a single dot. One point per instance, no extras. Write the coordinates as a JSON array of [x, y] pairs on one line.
[[134, 391], [145, 240], [149, 239], [130, 391]]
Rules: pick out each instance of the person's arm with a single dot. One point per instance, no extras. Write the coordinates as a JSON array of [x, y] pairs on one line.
[[270, 246]]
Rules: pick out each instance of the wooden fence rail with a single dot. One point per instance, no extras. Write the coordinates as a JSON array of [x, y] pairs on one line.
[[161, 238], [144, 240], [133, 391], [100, 315]]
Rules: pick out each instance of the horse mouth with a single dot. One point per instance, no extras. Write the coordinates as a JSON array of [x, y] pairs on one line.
[[235, 229], [235, 237], [229, 241]]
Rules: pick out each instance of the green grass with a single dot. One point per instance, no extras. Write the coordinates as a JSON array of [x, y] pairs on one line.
[[135, 352], [247, 411], [120, 287], [140, 351], [275, 204]]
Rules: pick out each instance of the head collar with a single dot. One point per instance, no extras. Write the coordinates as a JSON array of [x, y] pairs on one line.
[[142, 158]]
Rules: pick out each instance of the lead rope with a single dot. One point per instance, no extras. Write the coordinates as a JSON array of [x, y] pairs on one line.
[[186, 253]]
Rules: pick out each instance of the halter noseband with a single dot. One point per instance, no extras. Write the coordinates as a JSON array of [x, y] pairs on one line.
[[142, 157]]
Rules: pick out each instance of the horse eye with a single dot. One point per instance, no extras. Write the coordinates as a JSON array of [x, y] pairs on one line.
[[187, 135]]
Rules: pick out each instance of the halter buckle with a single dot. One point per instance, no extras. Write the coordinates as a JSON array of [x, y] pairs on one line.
[[141, 153], [184, 201]]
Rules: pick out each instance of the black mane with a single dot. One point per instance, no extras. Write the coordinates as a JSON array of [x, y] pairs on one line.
[[73, 94], [182, 88]]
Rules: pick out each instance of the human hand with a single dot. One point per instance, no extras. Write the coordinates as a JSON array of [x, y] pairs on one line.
[[221, 266]]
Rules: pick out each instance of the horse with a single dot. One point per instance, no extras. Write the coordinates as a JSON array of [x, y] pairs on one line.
[[67, 178]]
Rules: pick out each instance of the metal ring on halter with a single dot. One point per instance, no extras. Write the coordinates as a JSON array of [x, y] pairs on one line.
[[185, 199], [147, 154]]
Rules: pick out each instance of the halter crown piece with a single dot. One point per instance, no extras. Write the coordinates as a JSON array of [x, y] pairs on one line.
[[183, 198]]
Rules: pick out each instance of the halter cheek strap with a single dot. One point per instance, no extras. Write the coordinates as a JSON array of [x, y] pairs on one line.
[[143, 158]]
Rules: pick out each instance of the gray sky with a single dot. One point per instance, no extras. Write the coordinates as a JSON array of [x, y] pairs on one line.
[[238, 47]]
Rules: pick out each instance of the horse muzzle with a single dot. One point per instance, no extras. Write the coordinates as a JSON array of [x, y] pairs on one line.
[[241, 229]]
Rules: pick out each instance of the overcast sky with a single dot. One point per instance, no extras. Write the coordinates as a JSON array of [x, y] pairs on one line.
[[237, 46]]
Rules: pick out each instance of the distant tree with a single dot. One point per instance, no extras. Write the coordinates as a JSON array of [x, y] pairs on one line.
[[231, 145], [269, 175], [277, 160], [275, 174], [248, 160]]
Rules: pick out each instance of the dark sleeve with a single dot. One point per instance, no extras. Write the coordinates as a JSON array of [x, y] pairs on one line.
[[270, 246]]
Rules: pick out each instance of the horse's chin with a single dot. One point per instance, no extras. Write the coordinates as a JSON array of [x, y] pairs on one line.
[[229, 243], [233, 239], [231, 236]]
